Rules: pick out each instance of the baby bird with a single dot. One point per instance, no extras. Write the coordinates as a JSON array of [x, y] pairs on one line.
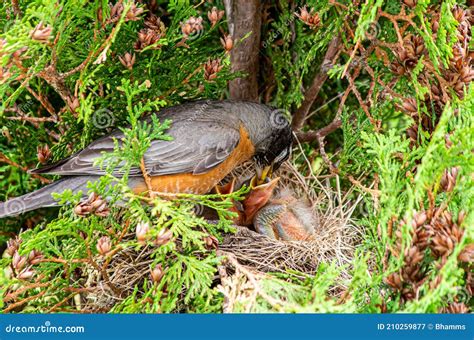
[[278, 216], [285, 218]]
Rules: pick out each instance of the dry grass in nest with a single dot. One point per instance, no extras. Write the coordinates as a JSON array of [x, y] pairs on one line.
[[127, 269]]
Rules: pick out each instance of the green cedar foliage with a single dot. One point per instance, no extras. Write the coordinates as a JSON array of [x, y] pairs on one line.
[[77, 82]]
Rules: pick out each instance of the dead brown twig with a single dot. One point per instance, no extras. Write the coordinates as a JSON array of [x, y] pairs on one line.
[[5, 159], [313, 135], [24, 301], [56, 81], [60, 303], [44, 101], [12, 296], [32, 119], [334, 48], [147, 178], [16, 8]]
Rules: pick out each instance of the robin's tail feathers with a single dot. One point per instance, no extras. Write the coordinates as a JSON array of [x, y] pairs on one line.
[[42, 197]]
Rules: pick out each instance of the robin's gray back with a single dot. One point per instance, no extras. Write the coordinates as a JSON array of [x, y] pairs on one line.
[[204, 134]]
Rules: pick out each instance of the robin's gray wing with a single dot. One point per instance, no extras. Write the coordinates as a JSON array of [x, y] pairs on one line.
[[197, 147]]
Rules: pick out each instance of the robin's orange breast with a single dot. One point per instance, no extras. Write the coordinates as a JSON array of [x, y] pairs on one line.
[[203, 183]]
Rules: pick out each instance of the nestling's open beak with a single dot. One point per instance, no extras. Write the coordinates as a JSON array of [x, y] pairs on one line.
[[257, 198], [262, 175]]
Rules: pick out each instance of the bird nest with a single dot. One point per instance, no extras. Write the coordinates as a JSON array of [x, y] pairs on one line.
[[334, 239], [334, 236]]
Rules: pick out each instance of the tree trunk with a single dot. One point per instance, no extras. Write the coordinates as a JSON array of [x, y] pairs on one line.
[[245, 18]]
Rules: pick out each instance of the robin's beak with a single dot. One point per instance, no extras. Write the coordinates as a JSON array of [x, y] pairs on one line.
[[263, 174]]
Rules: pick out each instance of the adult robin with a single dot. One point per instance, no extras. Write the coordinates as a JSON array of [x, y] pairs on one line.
[[209, 139]]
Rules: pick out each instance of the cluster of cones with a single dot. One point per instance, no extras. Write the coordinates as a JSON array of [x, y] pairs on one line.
[[153, 31], [457, 74], [434, 234]]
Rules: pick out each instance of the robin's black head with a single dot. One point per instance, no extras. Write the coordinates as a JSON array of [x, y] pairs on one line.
[[275, 148], [268, 129]]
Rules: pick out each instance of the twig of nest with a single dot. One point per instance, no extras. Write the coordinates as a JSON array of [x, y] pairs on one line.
[[270, 255], [127, 270]]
